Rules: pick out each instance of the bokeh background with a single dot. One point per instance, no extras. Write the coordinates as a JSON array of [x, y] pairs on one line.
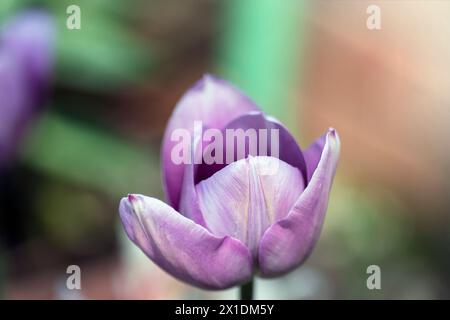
[[312, 64]]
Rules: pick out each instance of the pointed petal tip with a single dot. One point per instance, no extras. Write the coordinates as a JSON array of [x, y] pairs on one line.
[[207, 84], [206, 81], [208, 77], [332, 133], [333, 137], [126, 216], [132, 197]]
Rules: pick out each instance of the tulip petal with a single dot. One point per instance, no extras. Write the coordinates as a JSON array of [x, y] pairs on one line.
[[287, 243], [189, 205], [25, 65], [30, 37], [312, 155], [14, 106], [183, 248], [288, 149], [246, 197], [214, 102]]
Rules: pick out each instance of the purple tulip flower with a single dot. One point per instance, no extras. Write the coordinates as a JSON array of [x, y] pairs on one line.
[[26, 59], [224, 223]]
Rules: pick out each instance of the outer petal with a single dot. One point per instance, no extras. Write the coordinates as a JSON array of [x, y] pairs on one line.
[[183, 248], [312, 155], [210, 100], [287, 243], [246, 197]]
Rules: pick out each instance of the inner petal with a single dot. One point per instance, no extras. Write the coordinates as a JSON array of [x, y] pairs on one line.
[[243, 199], [269, 138]]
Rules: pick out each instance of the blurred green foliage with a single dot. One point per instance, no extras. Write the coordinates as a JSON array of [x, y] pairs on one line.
[[71, 218], [261, 47], [60, 147], [104, 54], [366, 226]]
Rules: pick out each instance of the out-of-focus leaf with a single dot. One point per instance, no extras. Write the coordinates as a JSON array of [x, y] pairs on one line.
[[104, 53], [100, 55], [86, 156], [369, 226], [260, 52], [7, 8], [358, 218], [71, 217]]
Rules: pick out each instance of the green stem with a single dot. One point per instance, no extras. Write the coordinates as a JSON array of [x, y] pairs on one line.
[[247, 291]]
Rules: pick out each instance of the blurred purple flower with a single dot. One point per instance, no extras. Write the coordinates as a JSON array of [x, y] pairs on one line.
[[226, 222], [26, 59]]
